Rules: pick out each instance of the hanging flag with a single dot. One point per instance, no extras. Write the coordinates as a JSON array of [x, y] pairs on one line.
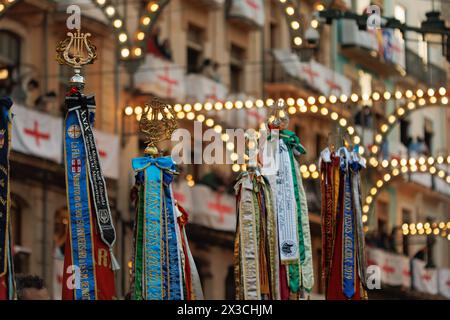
[[89, 260], [161, 77], [108, 146], [37, 134], [444, 282], [214, 209], [201, 88], [424, 279], [256, 260], [7, 282], [251, 10], [183, 194]]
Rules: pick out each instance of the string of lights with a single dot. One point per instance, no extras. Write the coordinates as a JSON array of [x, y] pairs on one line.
[[426, 228]]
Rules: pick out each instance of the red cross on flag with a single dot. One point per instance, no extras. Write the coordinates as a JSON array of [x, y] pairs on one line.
[[108, 151], [214, 210], [252, 10], [37, 134], [424, 280], [161, 77]]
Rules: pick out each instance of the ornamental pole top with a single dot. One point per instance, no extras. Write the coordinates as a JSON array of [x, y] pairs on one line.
[[76, 51], [157, 123]]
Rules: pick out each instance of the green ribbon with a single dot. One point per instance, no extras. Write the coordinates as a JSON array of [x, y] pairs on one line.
[[138, 265]]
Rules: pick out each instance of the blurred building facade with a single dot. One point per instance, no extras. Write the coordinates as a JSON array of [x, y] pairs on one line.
[[216, 50]]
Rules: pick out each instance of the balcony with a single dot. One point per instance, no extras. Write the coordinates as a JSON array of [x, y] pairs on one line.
[[429, 74], [286, 74], [378, 50], [161, 77]]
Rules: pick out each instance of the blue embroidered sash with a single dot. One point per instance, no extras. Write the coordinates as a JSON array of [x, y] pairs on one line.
[[161, 261], [79, 209], [5, 129], [348, 235]]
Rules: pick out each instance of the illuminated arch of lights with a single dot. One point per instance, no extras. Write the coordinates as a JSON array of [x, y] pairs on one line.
[[395, 168], [188, 111], [111, 13], [419, 101], [154, 9]]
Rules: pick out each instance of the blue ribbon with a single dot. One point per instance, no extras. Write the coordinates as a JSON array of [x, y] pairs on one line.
[[162, 278], [80, 211], [348, 236]]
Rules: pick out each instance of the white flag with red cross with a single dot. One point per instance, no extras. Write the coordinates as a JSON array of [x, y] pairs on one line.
[[203, 89], [161, 77], [424, 280], [216, 210], [394, 268], [252, 10], [108, 152], [183, 195], [37, 134], [444, 282]]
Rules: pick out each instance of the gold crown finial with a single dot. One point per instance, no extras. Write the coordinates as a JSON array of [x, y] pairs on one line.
[[76, 51], [157, 124]]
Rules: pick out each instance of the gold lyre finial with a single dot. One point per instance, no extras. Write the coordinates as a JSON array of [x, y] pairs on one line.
[[157, 123], [278, 115], [76, 51]]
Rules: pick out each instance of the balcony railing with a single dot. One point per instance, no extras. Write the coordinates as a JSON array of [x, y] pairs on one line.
[[284, 66], [428, 74]]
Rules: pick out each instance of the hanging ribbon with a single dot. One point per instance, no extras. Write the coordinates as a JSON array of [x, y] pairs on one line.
[[88, 257], [157, 259], [80, 227], [248, 258], [256, 245], [348, 232], [7, 283], [327, 213], [83, 106], [192, 279], [307, 272], [355, 169], [292, 142]]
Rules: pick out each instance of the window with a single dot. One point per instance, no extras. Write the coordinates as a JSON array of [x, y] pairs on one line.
[[195, 40], [321, 143], [428, 136], [237, 56], [404, 132], [10, 48]]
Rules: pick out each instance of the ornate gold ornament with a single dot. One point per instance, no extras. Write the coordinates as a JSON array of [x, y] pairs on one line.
[[157, 123], [76, 51], [278, 115]]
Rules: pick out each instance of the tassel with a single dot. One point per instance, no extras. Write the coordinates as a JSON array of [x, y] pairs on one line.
[[114, 263]]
